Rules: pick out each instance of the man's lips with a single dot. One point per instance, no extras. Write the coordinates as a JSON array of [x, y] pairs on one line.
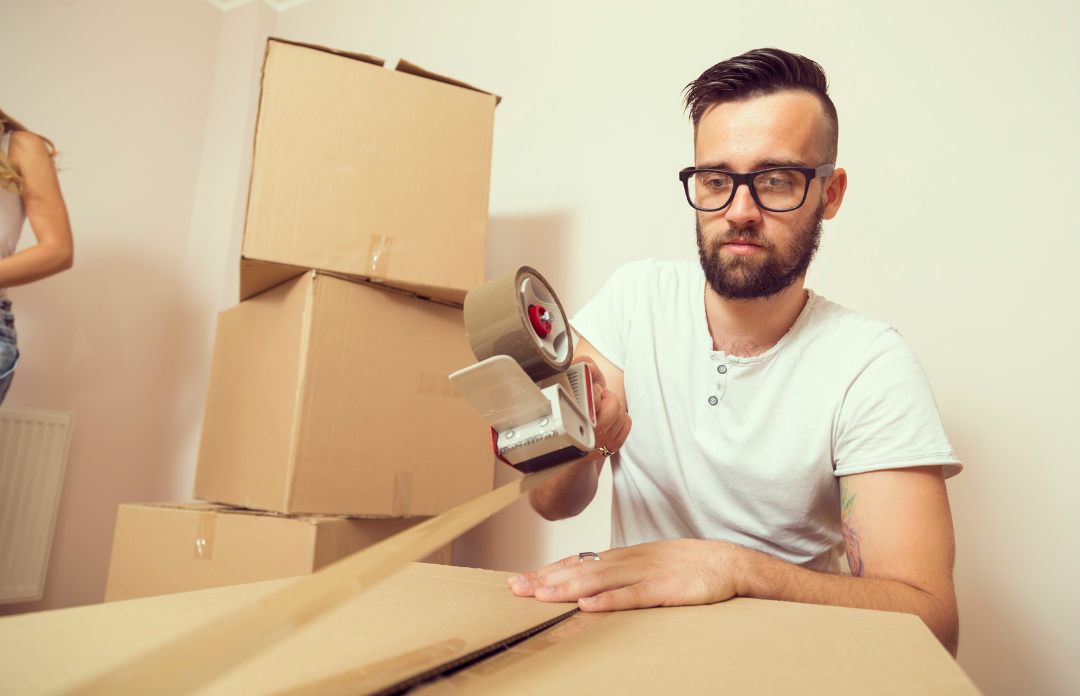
[[741, 247]]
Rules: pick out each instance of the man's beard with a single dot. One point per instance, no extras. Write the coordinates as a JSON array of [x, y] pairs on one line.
[[765, 273]]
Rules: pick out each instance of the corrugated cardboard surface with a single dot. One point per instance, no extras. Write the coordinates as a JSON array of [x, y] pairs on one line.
[[164, 548], [421, 618], [369, 172], [254, 376], [332, 397], [743, 646]]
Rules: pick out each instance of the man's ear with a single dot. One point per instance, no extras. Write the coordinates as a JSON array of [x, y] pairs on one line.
[[835, 186]]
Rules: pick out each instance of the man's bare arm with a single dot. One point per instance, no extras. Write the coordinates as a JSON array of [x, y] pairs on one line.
[[899, 537], [898, 534], [569, 493]]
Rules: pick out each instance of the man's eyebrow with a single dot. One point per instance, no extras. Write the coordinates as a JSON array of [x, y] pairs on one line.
[[762, 164]]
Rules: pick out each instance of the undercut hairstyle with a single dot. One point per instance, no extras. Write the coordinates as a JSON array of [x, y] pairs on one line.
[[759, 73]]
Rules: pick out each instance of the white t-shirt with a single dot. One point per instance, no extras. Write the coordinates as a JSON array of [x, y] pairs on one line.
[[748, 450]]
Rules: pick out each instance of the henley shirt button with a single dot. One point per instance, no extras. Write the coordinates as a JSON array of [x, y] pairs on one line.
[[722, 369], [713, 400]]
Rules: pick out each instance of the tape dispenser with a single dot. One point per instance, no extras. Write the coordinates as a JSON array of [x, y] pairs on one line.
[[539, 406]]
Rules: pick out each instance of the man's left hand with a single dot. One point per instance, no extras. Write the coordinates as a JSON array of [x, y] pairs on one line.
[[659, 574]]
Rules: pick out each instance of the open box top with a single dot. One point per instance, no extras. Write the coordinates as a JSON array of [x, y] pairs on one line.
[[369, 173]]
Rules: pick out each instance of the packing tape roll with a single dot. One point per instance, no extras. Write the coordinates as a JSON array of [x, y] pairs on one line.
[[498, 323]]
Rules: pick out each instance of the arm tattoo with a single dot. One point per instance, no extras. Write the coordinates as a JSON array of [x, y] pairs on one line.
[[851, 539]]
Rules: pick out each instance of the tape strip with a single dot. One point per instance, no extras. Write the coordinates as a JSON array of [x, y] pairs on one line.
[[183, 665], [379, 255], [204, 537], [437, 385], [402, 501]]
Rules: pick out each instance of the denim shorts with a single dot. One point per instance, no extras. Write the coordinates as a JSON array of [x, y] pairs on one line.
[[9, 351]]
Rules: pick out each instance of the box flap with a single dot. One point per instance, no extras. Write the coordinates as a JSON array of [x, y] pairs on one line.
[[413, 69], [259, 276], [421, 621], [744, 646], [346, 54], [402, 65]]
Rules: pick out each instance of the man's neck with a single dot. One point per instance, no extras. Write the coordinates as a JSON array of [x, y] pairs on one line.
[[746, 328]]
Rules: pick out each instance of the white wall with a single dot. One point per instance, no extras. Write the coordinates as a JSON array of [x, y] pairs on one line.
[[122, 87], [957, 130]]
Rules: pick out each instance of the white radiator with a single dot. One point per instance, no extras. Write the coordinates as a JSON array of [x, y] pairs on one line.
[[33, 451]]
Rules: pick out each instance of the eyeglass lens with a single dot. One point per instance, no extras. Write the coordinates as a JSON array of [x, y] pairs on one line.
[[778, 189]]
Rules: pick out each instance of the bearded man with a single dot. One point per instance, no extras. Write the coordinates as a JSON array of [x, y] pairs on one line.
[[774, 432]]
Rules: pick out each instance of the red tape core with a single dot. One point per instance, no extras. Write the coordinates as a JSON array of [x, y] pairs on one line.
[[541, 327]]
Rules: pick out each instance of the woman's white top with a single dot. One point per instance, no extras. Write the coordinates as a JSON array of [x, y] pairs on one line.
[[12, 215]]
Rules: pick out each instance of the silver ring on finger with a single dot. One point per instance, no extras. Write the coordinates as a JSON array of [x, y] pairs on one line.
[[604, 451], [588, 556]]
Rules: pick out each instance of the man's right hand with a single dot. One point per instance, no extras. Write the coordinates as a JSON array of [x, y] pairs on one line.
[[570, 492], [612, 420]]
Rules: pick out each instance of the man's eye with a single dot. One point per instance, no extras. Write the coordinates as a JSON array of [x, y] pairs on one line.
[[717, 181], [777, 182]]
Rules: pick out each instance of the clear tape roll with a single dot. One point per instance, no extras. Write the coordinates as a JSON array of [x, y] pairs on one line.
[[498, 323]]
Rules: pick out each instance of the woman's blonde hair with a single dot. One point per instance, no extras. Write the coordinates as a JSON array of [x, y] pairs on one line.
[[9, 178]]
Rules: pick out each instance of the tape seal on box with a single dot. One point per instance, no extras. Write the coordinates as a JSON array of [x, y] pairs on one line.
[[402, 501], [437, 385], [497, 319], [204, 537], [378, 264]]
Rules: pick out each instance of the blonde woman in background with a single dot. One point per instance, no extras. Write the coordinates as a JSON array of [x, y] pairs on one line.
[[28, 189]]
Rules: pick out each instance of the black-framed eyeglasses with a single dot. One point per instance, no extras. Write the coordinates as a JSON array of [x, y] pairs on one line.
[[777, 189]]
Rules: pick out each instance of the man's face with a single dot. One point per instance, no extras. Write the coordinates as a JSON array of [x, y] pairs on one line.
[[747, 252]]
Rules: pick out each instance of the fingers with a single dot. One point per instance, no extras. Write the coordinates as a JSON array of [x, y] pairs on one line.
[[612, 416], [619, 439], [594, 369], [637, 596], [574, 581], [525, 585]]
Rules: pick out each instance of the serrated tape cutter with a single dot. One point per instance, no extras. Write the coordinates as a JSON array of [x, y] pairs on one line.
[[539, 405]]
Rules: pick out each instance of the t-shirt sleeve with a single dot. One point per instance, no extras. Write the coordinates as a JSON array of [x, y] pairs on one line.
[[605, 320], [888, 419]]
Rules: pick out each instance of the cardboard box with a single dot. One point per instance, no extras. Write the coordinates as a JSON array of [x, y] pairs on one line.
[[163, 548], [744, 646], [332, 397], [369, 172], [427, 619]]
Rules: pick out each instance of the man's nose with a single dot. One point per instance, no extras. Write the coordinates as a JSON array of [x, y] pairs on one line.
[[743, 211]]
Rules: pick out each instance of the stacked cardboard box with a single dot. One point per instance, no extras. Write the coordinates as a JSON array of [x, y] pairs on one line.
[[366, 225]]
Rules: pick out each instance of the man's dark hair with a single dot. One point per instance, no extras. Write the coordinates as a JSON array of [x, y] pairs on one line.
[[759, 73]]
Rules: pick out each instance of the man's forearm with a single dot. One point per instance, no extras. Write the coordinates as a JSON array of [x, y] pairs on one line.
[[765, 577], [570, 492]]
